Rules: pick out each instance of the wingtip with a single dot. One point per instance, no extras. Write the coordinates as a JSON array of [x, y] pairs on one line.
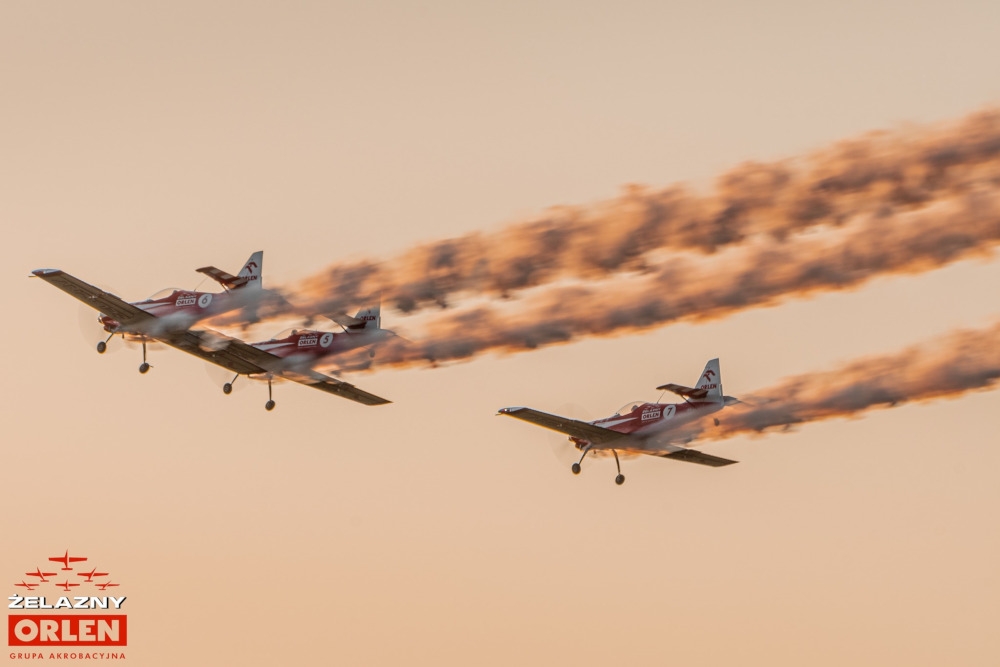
[[45, 272]]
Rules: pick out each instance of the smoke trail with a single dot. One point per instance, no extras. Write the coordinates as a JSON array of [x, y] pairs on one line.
[[759, 272], [884, 174], [952, 365]]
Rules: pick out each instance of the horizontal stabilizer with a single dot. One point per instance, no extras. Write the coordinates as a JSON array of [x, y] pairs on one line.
[[224, 278], [344, 320], [681, 390]]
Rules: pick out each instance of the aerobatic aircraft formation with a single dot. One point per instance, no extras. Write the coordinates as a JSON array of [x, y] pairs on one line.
[[169, 317]]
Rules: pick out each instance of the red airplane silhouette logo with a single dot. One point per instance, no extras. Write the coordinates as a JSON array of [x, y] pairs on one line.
[[90, 575], [105, 585], [24, 584], [66, 585], [41, 575], [66, 559]]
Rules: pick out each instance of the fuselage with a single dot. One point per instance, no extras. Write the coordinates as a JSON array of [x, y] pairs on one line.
[[178, 310], [654, 420], [306, 347]]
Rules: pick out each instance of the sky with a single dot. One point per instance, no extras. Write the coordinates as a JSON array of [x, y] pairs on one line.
[[141, 141]]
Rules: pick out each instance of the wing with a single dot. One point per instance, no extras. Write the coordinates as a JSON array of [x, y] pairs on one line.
[[334, 386], [229, 353], [104, 302], [681, 390], [692, 456], [239, 357], [578, 429]]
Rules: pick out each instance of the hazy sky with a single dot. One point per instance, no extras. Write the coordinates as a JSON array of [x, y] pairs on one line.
[[141, 141]]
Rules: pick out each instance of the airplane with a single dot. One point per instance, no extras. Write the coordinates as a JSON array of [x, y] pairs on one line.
[[168, 311], [303, 349], [66, 585], [90, 575], [230, 353], [644, 428], [24, 584], [105, 585], [66, 559], [41, 575]]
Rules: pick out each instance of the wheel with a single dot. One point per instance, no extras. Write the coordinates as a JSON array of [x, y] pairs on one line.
[[576, 468], [371, 353], [143, 367], [101, 347], [716, 422], [227, 388], [620, 479], [269, 405]]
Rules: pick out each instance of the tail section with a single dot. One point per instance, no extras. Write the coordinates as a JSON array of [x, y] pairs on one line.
[[250, 276], [711, 380], [367, 319]]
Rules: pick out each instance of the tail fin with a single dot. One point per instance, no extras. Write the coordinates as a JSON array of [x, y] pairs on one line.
[[367, 319], [711, 380], [251, 275]]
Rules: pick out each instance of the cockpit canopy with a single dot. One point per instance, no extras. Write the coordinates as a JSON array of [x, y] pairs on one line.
[[629, 407], [164, 293]]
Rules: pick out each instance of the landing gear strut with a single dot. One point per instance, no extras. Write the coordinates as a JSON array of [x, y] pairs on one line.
[[143, 367], [270, 403], [620, 479], [576, 466]]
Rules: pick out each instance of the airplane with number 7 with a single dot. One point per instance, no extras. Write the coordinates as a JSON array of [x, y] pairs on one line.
[[644, 428]]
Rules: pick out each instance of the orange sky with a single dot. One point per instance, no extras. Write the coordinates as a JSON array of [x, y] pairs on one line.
[[141, 142]]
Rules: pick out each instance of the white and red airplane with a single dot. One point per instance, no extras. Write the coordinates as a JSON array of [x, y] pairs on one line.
[[295, 352], [302, 350], [168, 311], [644, 428]]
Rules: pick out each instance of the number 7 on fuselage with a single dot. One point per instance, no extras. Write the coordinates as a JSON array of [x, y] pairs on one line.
[[644, 428]]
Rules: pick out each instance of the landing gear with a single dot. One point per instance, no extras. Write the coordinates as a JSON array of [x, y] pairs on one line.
[[620, 479], [228, 387], [576, 466], [270, 403], [103, 345], [143, 367], [716, 420]]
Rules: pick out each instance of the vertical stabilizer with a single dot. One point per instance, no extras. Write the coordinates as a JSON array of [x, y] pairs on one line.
[[253, 271], [371, 319], [711, 380]]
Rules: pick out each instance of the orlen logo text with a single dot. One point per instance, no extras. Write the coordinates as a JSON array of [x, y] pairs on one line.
[[45, 614]]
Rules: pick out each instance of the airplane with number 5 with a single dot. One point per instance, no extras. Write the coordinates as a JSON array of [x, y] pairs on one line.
[[644, 428]]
